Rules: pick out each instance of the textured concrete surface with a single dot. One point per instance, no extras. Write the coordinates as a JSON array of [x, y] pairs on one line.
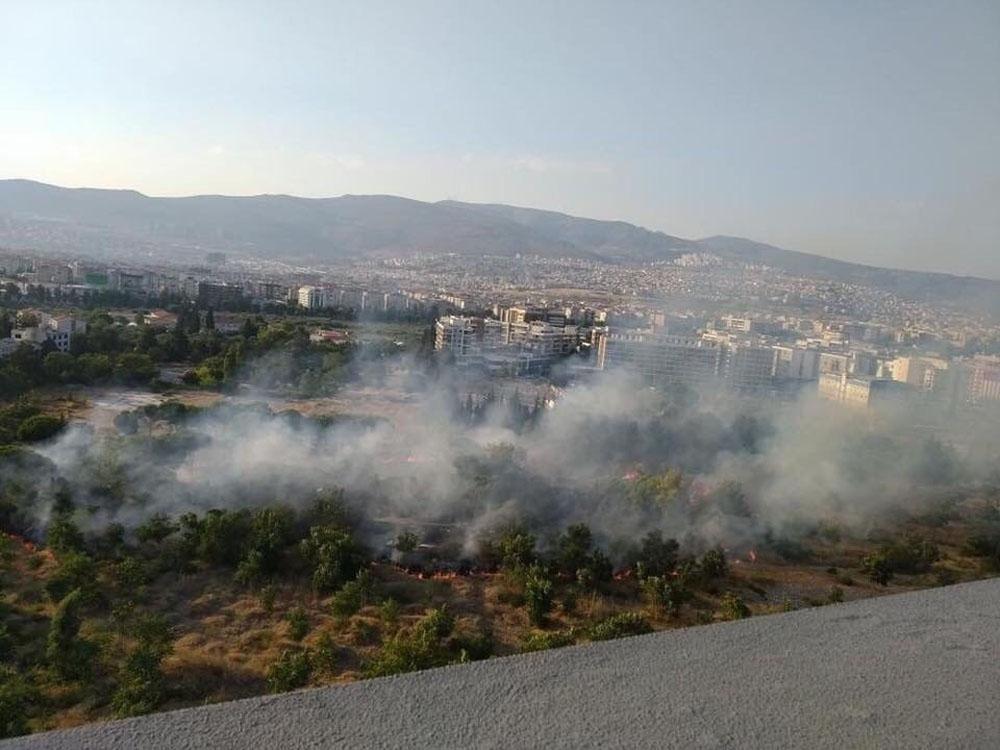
[[916, 670]]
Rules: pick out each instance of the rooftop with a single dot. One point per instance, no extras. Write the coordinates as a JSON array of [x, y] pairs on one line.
[[913, 670]]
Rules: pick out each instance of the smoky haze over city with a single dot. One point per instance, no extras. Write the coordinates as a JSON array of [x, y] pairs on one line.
[[347, 341]]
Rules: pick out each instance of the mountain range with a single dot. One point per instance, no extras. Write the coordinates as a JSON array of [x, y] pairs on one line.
[[34, 214]]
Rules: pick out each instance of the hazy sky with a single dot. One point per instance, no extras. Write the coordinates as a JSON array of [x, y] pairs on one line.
[[867, 131]]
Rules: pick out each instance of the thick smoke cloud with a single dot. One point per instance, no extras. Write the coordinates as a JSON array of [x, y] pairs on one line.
[[598, 456]]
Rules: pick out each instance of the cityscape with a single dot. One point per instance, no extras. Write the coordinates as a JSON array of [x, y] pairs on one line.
[[426, 374]]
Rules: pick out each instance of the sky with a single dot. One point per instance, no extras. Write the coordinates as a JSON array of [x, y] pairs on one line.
[[867, 131]]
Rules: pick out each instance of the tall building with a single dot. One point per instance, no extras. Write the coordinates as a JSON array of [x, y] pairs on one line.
[[860, 391], [796, 363], [218, 296], [313, 298], [661, 358]]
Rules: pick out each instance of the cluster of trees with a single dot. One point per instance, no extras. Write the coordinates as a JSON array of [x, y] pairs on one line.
[[106, 353], [112, 351], [574, 566]]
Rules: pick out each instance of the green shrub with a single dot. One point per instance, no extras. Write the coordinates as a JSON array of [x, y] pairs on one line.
[[17, 696], [39, 427], [538, 595], [298, 624], [621, 625], [542, 641], [422, 647], [733, 607], [290, 672], [353, 595]]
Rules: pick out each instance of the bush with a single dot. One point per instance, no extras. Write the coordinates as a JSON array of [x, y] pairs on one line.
[[353, 595], [389, 612], [541, 641], [878, 568], [298, 624], [290, 672], [713, 564], [75, 572], [17, 696], [474, 646], [538, 595], [620, 626], [141, 685], [665, 593], [65, 651], [420, 648], [657, 556], [39, 427], [733, 607], [407, 542], [334, 555]]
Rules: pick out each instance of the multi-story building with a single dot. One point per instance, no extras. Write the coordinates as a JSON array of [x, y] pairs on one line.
[[860, 391], [313, 298], [796, 363], [661, 358], [747, 367], [37, 327], [219, 296], [981, 379]]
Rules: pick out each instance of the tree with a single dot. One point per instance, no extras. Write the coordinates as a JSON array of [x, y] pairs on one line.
[[17, 696], [334, 555], [878, 568], [141, 684], [60, 367], [713, 564], [210, 320], [422, 647], [353, 595], [733, 607], [64, 650], [516, 548], [538, 592], [291, 671], [133, 368], [298, 624], [658, 556], [573, 548], [407, 542]]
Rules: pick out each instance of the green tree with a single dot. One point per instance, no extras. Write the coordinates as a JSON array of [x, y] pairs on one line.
[[353, 595], [133, 368], [657, 556], [68, 654], [573, 549], [334, 555], [298, 624], [407, 542], [878, 568], [291, 671], [17, 697], [538, 594], [713, 564], [733, 607]]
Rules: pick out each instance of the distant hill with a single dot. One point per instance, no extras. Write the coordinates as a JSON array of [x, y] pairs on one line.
[[319, 228], [34, 214], [967, 291]]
